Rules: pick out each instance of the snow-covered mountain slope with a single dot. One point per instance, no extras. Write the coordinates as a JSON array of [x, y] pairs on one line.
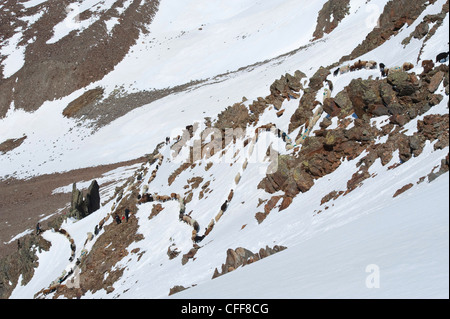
[[158, 61], [352, 203]]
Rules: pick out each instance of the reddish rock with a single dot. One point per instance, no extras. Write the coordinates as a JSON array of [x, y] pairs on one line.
[[287, 201], [403, 189]]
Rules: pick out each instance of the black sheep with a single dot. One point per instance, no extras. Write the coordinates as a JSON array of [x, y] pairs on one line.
[[442, 57]]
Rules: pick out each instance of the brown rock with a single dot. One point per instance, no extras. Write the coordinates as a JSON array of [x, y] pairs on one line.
[[435, 81], [403, 189], [287, 201], [330, 107]]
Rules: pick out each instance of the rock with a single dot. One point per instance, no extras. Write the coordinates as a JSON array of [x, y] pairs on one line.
[[421, 30], [87, 98], [176, 289], [402, 83], [403, 189], [399, 119], [77, 208], [357, 179], [241, 257], [93, 198], [303, 180], [271, 204], [293, 82], [156, 209], [378, 110], [260, 217], [81, 207], [316, 81], [435, 127], [299, 75], [172, 253], [330, 107], [332, 12], [435, 81], [109, 289], [344, 103], [189, 255], [363, 93], [287, 201], [280, 113]]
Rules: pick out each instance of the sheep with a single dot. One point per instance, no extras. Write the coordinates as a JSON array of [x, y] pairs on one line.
[[371, 65], [358, 65], [407, 66], [344, 69], [442, 57], [237, 178], [336, 72], [209, 228]]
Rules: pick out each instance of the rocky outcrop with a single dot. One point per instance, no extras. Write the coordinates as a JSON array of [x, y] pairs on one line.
[[176, 289], [190, 254], [92, 199], [332, 12], [235, 116], [308, 101], [267, 209], [81, 207], [402, 96], [11, 144], [403, 189], [21, 263], [395, 15], [442, 169], [241, 257]]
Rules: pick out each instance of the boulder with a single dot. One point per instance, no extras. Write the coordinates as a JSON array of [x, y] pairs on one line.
[[81, 207], [316, 81], [343, 101], [241, 257], [435, 81], [402, 83], [287, 201], [403, 189], [330, 107], [93, 197]]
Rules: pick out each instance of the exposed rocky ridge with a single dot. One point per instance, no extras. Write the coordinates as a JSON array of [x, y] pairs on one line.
[[394, 16], [308, 101], [423, 28], [402, 96], [332, 13], [81, 207], [241, 257], [20, 263], [97, 267]]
